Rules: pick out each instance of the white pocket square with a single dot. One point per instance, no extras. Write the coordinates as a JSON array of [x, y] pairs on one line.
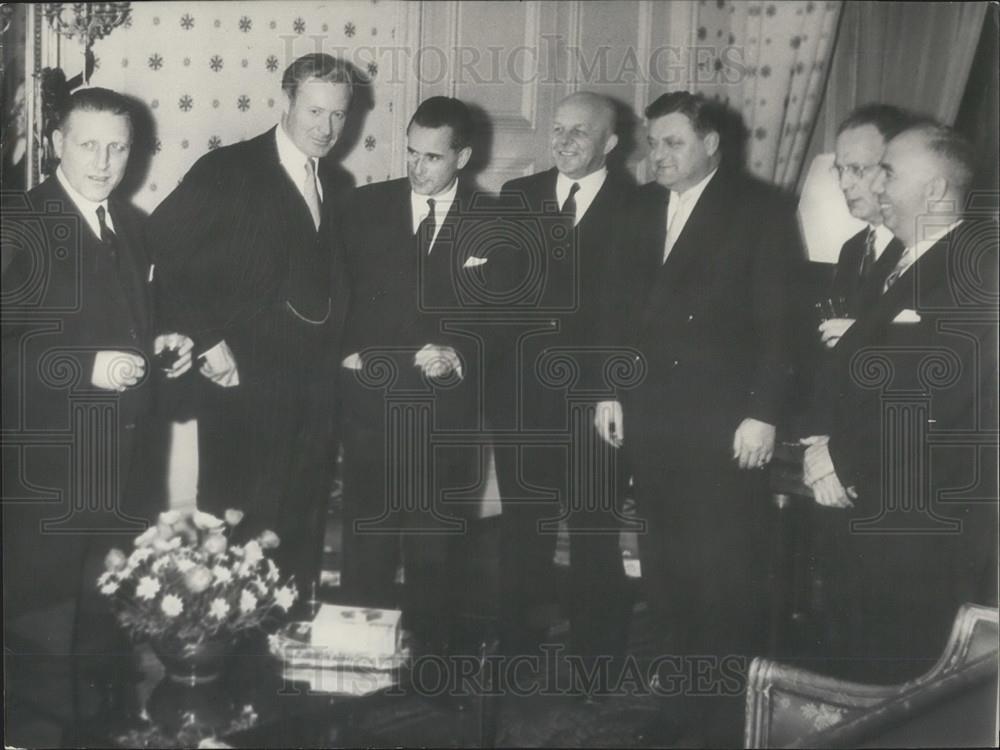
[[352, 362], [907, 316], [474, 260]]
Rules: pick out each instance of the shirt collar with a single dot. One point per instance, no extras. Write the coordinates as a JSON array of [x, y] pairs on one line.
[[442, 202], [292, 158], [86, 207], [693, 193], [883, 236], [589, 184]]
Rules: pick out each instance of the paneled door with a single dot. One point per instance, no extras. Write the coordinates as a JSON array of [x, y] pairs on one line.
[[503, 59], [514, 61]]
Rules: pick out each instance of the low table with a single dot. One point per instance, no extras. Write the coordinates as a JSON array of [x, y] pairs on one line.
[[254, 705]]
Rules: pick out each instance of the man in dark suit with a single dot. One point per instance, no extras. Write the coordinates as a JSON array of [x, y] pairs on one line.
[[919, 515], [867, 257], [247, 252], [411, 380], [78, 344], [701, 293], [568, 217]]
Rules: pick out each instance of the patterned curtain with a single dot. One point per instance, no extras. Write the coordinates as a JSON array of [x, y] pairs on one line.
[[783, 50], [210, 74]]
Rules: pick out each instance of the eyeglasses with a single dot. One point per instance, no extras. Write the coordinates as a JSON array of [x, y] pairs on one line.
[[854, 170]]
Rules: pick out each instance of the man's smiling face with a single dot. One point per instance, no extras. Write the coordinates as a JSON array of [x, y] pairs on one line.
[[581, 138]]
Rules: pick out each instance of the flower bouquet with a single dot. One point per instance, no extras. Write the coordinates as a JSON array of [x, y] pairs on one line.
[[185, 586]]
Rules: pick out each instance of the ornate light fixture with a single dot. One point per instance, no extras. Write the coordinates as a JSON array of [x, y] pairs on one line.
[[86, 22]]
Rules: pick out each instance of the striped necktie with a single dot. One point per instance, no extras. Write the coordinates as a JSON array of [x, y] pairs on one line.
[[901, 266], [310, 192]]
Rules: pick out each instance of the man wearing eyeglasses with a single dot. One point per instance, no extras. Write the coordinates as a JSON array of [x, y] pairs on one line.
[[867, 257]]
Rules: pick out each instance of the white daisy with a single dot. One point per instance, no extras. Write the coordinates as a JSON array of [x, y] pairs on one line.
[[285, 597], [172, 605], [148, 587], [222, 574], [219, 608], [248, 602]]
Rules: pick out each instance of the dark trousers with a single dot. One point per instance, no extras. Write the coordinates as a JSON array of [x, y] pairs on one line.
[[705, 569], [539, 488], [891, 598], [397, 509], [265, 446]]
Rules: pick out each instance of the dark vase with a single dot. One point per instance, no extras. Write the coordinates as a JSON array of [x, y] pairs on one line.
[[192, 663], [189, 712]]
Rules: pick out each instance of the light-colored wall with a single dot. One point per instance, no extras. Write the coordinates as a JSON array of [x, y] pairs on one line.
[[210, 74]]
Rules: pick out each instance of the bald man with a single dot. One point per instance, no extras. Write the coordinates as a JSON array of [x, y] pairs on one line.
[[568, 216], [919, 364]]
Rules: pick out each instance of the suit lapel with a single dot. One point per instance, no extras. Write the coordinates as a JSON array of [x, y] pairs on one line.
[[598, 208], [130, 256], [928, 271], [290, 208], [702, 231], [132, 263], [549, 190], [400, 226]]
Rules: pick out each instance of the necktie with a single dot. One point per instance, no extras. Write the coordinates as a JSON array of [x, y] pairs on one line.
[[310, 192], [868, 259], [425, 232], [108, 238], [901, 266], [675, 226], [569, 207]]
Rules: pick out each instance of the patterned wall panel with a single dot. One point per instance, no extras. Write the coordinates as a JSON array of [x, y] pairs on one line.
[[210, 74]]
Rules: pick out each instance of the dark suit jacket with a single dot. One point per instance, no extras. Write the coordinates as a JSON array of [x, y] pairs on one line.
[[916, 421], [403, 298], [710, 322], [236, 249], [63, 302], [564, 270], [572, 284], [859, 297], [951, 287], [847, 282]]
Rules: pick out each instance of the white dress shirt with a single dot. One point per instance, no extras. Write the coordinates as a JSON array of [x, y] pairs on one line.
[[681, 205], [293, 161], [589, 187], [442, 205], [883, 236], [86, 207]]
